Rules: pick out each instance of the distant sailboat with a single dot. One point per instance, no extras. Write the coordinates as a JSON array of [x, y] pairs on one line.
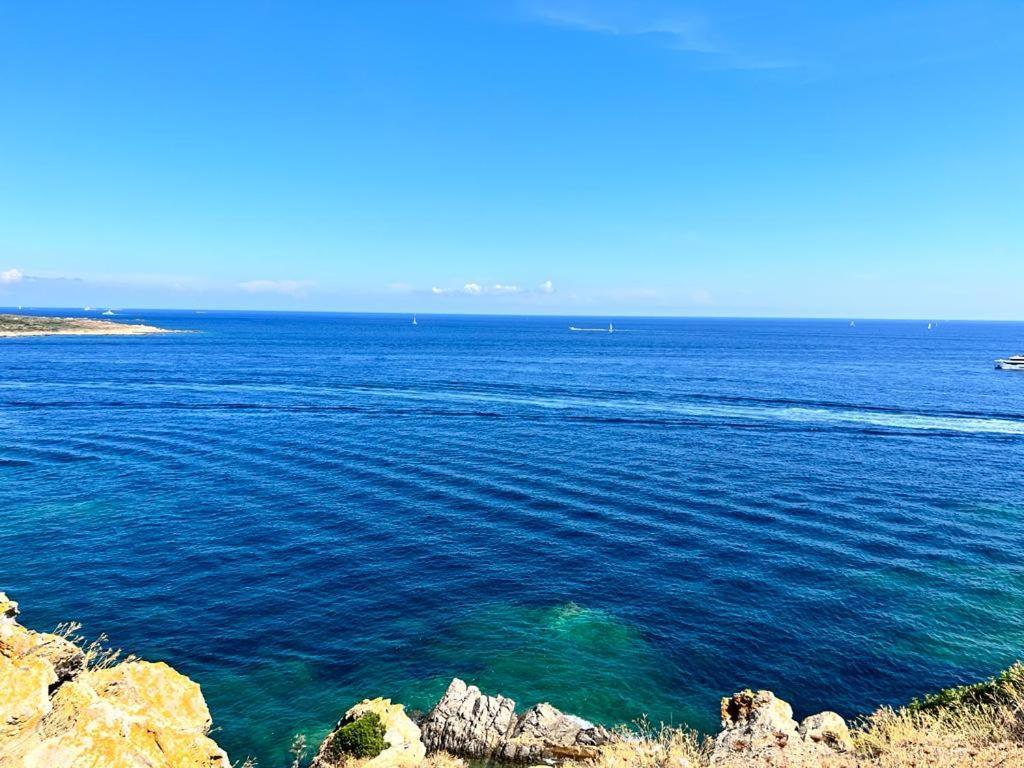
[[414, 320], [611, 328], [87, 308], [108, 312], [853, 324], [929, 326]]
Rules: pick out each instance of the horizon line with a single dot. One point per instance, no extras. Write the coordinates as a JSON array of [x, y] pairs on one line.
[[843, 318]]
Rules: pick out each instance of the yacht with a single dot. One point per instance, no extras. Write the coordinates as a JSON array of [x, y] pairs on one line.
[[109, 312], [1011, 363], [414, 320], [611, 329]]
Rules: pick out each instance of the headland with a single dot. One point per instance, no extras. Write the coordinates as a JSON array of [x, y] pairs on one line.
[[36, 325]]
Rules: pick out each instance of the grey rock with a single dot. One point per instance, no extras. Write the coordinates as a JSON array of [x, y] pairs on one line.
[[468, 723]]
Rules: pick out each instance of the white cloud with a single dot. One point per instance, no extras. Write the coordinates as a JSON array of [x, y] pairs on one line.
[[683, 33], [284, 287], [493, 289], [687, 32], [11, 276]]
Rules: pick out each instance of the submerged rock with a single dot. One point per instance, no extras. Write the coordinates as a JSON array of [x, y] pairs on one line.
[[759, 729], [469, 723], [403, 747], [55, 713]]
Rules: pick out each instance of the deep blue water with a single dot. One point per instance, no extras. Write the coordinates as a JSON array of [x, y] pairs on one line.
[[300, 510]]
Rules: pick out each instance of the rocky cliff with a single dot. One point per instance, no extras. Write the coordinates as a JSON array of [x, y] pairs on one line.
[[65, 707], [59, 711]]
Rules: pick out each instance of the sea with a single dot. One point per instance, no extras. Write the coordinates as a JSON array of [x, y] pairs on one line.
[[302, 510]]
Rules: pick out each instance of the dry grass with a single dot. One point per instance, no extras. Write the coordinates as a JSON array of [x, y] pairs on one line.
[[948, 734], [980, 726], [98, 655], [443, 760], [644, 746]]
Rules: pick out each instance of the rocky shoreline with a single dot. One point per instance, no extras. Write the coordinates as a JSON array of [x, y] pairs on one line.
[[758, 729], [64, 704]]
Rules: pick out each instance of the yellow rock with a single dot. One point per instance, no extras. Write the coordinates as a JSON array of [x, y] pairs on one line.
[[154, 691], [402, 734], [83, 731], [116, 718], [24, 699], [25, 676], [8, 612], [405, 749], [133, 715]]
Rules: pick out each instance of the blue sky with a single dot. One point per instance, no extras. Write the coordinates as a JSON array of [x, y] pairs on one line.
[[607, 158]]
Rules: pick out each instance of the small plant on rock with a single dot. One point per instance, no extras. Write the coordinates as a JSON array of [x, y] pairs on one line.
[[363, 737]]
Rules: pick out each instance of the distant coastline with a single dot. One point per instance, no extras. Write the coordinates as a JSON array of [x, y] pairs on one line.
[[34, 325]]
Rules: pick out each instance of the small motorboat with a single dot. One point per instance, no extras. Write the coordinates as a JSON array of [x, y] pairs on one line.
[[609, 329], [1011, 363]]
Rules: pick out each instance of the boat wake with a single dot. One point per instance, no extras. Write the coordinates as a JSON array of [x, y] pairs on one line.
[[685, 409]]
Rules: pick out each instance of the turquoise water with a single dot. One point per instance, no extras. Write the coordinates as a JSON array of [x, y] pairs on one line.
[[302, 510]]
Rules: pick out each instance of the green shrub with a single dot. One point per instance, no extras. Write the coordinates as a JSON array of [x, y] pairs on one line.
[[360, 738], [1005, 687]]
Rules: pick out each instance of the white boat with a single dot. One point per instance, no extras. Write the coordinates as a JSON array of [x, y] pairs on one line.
[[853, 324], [929, 326], [109, 312], [414, 320], [609, 329], [1011, 363]]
